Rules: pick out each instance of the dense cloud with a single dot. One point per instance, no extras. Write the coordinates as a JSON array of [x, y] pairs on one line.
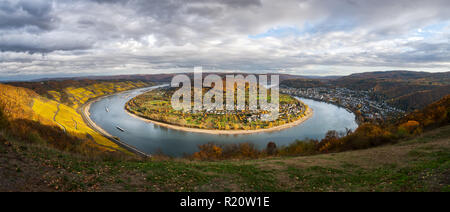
[[295, 36], [20, 14]]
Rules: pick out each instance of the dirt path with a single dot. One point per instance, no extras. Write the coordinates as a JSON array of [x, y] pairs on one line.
[[54, 118], [76, 124]]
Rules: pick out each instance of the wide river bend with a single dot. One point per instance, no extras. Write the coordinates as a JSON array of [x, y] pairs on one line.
[[109, 112]]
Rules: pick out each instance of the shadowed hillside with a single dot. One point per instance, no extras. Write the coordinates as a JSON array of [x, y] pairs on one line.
[[406, 90]]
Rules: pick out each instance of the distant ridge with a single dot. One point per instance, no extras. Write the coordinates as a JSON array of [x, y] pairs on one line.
[[167, 77], [159, 77], [397, 74]]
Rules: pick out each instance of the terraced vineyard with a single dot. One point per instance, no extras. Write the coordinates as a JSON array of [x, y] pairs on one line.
[[61, 114]]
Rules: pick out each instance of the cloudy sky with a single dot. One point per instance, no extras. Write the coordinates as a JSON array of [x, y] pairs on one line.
[[306, 37]]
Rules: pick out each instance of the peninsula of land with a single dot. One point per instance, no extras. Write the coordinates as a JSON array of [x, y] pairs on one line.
[[154, 106]]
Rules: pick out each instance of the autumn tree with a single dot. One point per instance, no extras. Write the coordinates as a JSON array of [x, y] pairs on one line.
[[208, 151], [411, 127]]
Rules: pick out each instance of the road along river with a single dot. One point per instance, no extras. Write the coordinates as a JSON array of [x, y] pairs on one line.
[[109, 116]]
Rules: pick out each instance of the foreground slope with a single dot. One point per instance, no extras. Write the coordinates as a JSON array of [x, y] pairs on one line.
[[420, 164]]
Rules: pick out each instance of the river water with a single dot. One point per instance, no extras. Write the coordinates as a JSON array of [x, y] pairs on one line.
[[109, 112]]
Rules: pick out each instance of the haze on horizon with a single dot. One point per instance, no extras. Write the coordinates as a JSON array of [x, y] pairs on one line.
[[42, 38]]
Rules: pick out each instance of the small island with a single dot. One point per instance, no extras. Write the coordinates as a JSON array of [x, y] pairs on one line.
[[155, 106]]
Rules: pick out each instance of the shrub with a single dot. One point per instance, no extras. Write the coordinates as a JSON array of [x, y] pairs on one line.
[[4, 123], [300, 148], [271, 148], [35, 138], [411, 127], [367, 135], [208, 151], [248, 150], [242, 150]]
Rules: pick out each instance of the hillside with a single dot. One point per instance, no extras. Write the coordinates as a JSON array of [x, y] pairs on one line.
[[405, 90], [42, 115], [420, 164], [75, 93]]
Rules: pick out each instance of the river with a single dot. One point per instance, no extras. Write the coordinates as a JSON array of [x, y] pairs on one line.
[[109, 112]]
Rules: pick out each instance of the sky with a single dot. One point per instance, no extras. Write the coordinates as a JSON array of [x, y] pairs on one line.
[[45, 38]]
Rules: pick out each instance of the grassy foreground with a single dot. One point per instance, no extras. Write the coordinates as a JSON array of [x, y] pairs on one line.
[[420, 164]]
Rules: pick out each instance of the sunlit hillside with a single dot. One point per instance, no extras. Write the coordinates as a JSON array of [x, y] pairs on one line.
[[75, 93], [22, 105]]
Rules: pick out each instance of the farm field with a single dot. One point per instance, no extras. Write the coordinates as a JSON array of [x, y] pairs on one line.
[[156, 105]]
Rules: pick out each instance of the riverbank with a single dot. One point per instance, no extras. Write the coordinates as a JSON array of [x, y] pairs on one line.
[[85, 114], [308, 114]]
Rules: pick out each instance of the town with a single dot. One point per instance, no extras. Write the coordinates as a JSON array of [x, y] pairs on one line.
[[359, 102], [288, 111]]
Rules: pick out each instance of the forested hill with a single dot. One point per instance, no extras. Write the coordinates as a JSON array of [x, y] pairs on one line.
[[406, 90], [393, 79]]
